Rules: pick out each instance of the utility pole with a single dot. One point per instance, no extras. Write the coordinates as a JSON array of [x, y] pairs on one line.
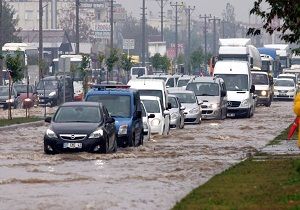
[[176, 5], [77, 27], [188, 11], [111, 26], [40, 39], [205, 17], [1, 44], [144, 33], [215, 19], [162, 4]]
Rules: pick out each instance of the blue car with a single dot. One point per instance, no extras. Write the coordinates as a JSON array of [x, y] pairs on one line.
[[124, 105]]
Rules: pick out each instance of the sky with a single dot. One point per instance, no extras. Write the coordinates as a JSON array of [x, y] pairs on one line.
[[213, 7]]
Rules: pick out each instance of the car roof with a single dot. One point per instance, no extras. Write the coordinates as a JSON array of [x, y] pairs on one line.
[[286, 75], [174, 91], [206, 79], [284, 79], [82, 103], [155, 98]]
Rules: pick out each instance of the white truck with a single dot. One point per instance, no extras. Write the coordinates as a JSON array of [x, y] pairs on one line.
[[240, 49]]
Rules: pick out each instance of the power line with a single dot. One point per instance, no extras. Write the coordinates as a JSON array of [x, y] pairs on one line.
[[77, 4], [162, 5], [188, 11], [205, 17], [144, 33], [215, 19]]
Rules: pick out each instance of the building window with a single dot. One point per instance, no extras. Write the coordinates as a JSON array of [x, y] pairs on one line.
[[29, 15]]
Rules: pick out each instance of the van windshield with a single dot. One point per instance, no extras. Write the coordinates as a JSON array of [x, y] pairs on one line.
[[283, 82], [260, 79], [157, 93], [138, 71], [204, 88], [287, 77], [49, 84], [117, 106], [235, 82]]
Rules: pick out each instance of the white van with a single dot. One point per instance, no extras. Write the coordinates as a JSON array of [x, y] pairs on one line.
[[153, 87], [240, 91]]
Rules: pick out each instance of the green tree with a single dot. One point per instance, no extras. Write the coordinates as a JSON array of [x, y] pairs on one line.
[[197, 58], [9, 24], [83, 71], [156, 61], [15, 67], [285, 11], [111, 61], [126, 64]]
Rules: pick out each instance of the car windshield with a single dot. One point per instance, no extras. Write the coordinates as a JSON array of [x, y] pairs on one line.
[[173, 102], [49, 84], [260, 79], [23, 88], [283, 82], [235, 82], [157, 93], [188, 98], [138, 71], [3, 91], [183, 82], [287, 77], [151, 106], [204, 88], [84, 114], [117, 106]]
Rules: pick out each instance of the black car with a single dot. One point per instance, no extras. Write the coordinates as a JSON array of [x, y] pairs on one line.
[[80, 126]]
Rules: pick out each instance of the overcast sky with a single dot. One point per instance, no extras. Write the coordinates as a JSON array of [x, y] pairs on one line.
[[214, 7]]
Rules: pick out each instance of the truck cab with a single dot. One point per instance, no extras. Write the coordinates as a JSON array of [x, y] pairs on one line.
[[263, 88], [124, 105]]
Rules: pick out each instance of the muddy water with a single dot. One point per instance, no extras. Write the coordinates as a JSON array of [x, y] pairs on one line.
[[153, 176]]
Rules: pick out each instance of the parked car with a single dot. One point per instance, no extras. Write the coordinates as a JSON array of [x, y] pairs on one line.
[[212, 92], [153, 106], [29, 100], [51, 90], [124, 105], [176, 112], [188, 99], [146, 123], [80, 126], [15, 101], [285, 89]]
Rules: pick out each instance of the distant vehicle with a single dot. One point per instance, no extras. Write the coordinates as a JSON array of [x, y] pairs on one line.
[[290, 76], [80, 126], [240, 90], [184, 80], [152, 87], [137, 72], [270, 61], [29, 100], [284, 89], [153, 106], [124, 105], [283, 51], [50, 90], [213, 93], [263, 88], [176, 112], [146, 123], [15, 101], [188, 99]]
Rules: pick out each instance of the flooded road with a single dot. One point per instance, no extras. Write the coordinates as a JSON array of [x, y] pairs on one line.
[[153, 176]]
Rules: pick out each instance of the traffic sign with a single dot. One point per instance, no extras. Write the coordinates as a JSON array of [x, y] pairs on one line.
[[128, 44]]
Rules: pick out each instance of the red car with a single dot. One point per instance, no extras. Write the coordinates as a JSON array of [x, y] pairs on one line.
[[26, 101]]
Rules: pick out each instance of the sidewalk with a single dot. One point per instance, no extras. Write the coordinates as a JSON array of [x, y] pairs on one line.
[[285, 147]]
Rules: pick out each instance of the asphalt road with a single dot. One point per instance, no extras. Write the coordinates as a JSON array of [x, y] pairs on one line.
[[153, 176]]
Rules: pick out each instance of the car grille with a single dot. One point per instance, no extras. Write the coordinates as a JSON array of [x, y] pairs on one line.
[[203, 106], [207, 112], [282, 91], [72, 137], [233, 103]]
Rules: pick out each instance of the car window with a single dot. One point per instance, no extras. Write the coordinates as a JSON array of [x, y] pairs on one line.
[[173, 102], [151, 106], [3, 91], [170, 82], [204, 88], [186, 97], [84, 114], [260, 79]]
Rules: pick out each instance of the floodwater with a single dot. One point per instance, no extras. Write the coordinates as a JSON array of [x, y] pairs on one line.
[[153, 176]]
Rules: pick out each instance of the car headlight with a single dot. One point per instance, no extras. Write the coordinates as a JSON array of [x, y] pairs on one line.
[[52, 94], [123, 129], [263, 93], [292, 90], [174, 116], [50, 133], [214, 106], [194, 111], [155, 122], [10, 100], [245, 102], [96, 134]]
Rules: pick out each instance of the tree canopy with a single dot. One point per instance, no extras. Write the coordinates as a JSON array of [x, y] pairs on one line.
[[15, 65], [284, 12]]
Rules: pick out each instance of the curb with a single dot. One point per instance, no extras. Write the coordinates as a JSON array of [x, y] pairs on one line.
[[22, 125]]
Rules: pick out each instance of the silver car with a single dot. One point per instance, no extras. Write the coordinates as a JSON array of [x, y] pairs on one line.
[[176, 112], [193, 111], [212, 92]]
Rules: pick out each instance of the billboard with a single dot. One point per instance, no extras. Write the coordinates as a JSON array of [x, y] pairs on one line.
[[101, 30]]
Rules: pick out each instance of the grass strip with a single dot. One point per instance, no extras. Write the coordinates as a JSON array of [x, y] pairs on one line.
[[18, 120]]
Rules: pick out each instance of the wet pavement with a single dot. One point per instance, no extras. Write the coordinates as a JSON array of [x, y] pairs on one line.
[[153, 176]]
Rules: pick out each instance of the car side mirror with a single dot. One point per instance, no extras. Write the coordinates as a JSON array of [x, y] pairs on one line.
[[166, 112], [223, 93], [169, 105], [48, 119], [252, 89], [151, 115], [110, 120]]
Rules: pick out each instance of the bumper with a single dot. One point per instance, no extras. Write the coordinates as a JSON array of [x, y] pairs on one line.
[[210, 114], [192, 118], [238, 112], [88, 145], [262, 100], [174, 123]]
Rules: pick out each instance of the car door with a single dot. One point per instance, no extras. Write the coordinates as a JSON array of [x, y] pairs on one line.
[[223, 101], [138, 124], [110, 127]]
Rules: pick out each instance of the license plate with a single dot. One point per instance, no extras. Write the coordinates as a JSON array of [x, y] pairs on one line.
[[230, 114], [73, 145], [282, 94]]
